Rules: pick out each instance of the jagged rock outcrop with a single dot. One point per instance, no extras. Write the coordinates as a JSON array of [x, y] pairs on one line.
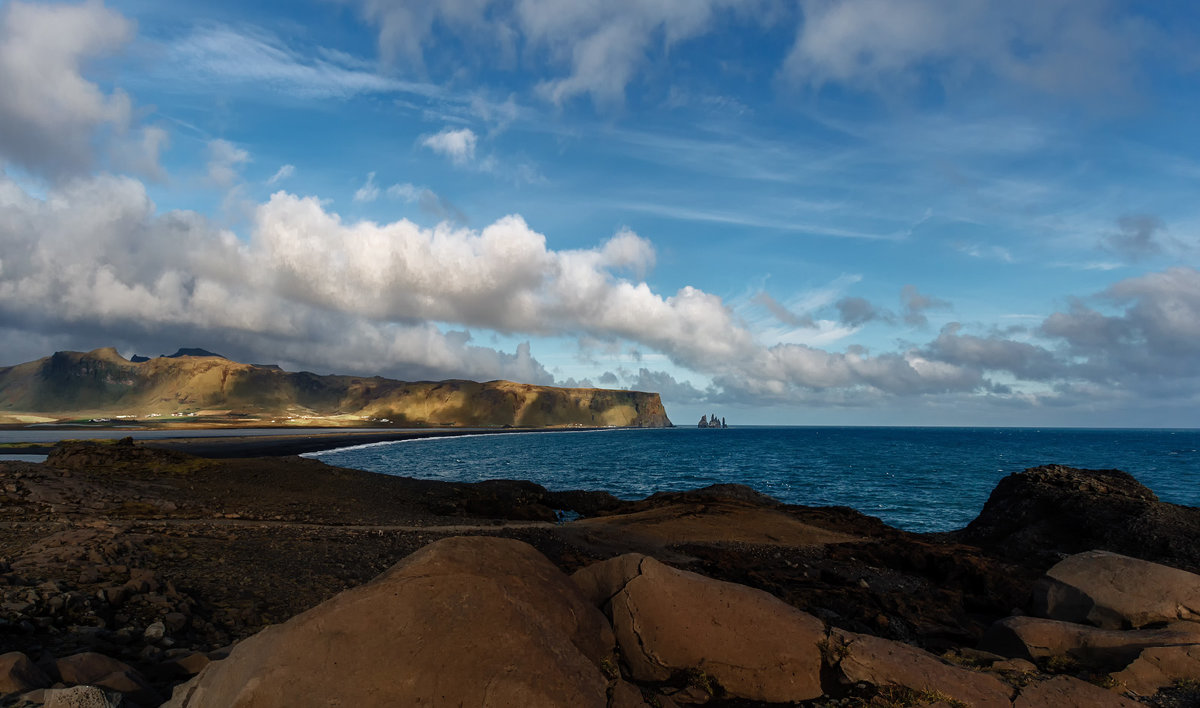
[[102, 383], [1040, 514]]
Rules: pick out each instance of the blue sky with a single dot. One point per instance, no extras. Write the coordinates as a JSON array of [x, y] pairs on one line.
[[836, 212]]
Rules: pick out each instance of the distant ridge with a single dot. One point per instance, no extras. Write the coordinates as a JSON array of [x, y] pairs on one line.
[[184, 351], [195, 385]]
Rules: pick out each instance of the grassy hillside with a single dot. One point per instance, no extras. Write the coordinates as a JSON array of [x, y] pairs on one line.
[[103, 384]]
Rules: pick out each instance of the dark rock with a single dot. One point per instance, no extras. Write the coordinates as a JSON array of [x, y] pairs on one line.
[[19, 674], [175, 621], [584, 503], [507, 499], [1040, 514], [731, 492]]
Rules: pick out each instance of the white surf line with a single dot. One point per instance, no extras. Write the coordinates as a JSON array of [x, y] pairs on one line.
[[435, 438]]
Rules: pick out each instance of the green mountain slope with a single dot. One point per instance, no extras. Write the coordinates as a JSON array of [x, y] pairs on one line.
[[102, 383]]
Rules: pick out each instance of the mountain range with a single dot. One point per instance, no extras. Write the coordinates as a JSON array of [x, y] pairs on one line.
[[197, 386]]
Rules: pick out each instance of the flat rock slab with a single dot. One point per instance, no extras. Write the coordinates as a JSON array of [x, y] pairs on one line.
[[469, 621], [883, 662], [1108, 649], [718, 521], [1068, 692], [1157, 668], [1116, 592], [753, 645]]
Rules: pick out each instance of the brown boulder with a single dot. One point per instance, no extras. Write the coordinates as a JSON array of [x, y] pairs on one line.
[[463, 621], [599, 582], [1157, 668], [1067, 692], [1116, 592], [100, 670], [88, 667], [883, 662], [1034, 638], [18, 674], [667, 621]]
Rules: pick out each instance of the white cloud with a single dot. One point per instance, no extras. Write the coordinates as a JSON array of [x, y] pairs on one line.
[[600, 45], [284, 172], [49, 113], [1056, 46], [94, 261], [369, 192], [458, 144], [224, 162], [258, 61]]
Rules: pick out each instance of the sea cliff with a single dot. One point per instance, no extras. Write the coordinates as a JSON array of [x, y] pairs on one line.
[[212, 390]]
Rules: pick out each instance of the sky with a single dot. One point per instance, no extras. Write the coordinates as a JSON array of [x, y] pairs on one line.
[[822, 212]]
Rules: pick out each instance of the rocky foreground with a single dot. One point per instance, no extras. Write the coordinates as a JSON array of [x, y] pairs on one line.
[[133, 576]]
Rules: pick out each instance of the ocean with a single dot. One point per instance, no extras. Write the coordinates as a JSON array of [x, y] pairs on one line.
[[917, 479]]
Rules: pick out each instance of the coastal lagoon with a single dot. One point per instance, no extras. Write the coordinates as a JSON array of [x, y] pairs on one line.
[[917, 479]]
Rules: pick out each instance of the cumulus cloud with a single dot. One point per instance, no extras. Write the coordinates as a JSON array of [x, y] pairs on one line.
[[50, 113], [95, 254], [458, 144], [1153, 334], [915, 304], [857, 311], [1137, 236], [94, 262], [995, 353], [668, 386]]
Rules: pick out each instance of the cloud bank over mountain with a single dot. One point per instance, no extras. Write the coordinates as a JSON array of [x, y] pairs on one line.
[[123, 223]]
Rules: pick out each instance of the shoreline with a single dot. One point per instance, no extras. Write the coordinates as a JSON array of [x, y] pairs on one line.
[[288, 444]]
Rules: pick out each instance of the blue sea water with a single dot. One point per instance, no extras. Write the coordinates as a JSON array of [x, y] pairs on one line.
[[917, 479]]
